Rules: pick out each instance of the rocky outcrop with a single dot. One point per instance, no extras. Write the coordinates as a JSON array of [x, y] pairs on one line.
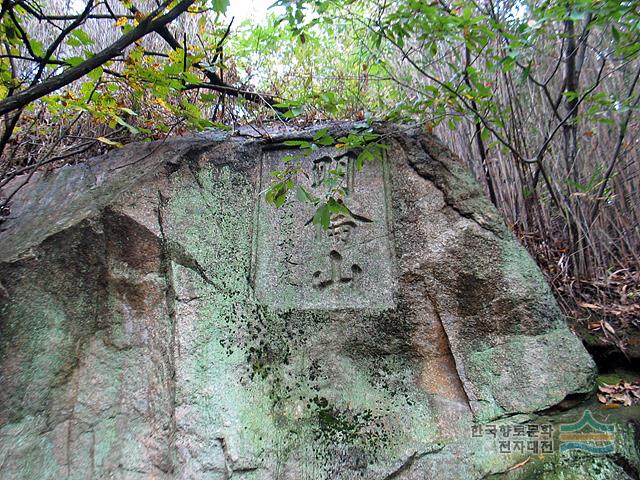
[[159, 319]]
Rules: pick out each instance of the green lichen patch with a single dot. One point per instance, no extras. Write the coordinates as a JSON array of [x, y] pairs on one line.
[[281, 386]]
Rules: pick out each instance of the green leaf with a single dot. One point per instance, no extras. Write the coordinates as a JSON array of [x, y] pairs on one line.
[[96, 73], [269, 196], [577, 16], [297, 143], [87, 89], [288, 158], [79, 37], [190, 77], [570, 95], [73, 42], [323, 138], [280, 199], [322, 216], [37, 47], [304, 196], [172, 69], [364, 156], [606, 121], [615, 34], [73, 61], [219, 6], [528, 192], [338, 207], [130, 127], [277, 193]]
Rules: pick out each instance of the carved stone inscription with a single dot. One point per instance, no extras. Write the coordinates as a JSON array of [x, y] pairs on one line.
[[340, 232], [347, 266]]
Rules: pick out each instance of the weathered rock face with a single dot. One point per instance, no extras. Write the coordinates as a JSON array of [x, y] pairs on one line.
[[159, 320]]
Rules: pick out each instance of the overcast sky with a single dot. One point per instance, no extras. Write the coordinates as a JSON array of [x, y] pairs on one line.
[[254, 9]]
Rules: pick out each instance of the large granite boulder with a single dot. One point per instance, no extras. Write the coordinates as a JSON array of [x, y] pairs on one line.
[[158, 319]]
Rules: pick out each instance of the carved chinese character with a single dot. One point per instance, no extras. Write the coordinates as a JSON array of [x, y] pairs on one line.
[[336, 275], [340, 262], [341, 166], [320, 171], [341, 231]]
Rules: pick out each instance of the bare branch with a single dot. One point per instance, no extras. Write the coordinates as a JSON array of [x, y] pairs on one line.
[[616, 153]]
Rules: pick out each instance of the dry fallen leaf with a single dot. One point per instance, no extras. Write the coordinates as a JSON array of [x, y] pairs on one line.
[[622, 398], [622, 393], [521, 464], [590, 306], [608, 388]]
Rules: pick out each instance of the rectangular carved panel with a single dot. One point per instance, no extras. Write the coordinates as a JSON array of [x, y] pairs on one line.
[[299, 265]]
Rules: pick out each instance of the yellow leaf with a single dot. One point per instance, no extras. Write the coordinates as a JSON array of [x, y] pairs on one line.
[[202, 24], [340, 145], [162, 103], [109, 142], [121, 22]]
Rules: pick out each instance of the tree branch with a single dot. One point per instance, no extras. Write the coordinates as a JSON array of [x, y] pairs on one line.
[[616, 152], [150, 24]]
